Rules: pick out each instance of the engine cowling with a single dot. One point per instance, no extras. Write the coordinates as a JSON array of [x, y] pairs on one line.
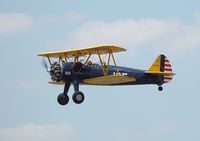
[[55, 72]]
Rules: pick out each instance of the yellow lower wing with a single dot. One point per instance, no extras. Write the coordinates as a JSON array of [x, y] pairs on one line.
[[104, 80], [109, 80], [56, 83]]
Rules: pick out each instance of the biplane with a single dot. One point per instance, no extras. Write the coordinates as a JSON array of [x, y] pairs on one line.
[[67, 68]]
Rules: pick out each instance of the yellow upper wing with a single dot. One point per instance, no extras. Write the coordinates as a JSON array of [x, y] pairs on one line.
[[104, 49]]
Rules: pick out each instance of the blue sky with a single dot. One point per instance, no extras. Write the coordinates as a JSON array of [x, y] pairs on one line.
[[28, 105]]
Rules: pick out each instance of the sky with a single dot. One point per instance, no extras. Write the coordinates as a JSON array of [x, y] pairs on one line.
[[28, 104]]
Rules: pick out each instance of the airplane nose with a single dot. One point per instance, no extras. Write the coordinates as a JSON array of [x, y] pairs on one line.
[[55, 72]]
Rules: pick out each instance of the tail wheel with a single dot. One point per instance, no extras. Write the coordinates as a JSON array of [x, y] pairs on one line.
[[160, 88], [63, 99], [78, 97]]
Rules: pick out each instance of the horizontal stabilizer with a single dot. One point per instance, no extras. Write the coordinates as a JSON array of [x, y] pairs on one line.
[[159, 73]]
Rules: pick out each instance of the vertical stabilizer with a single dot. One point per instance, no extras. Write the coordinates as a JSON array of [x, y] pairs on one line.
[[161, 66]]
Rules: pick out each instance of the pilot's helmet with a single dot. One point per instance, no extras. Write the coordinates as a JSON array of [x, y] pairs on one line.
[[89, 63]]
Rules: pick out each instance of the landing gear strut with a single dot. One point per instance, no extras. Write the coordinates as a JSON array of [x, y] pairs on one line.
[[160, 88], [78, 97], [63, 98]]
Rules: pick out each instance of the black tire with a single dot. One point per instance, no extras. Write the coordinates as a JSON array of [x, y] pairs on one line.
[[63, 99], [78, 97], [160, 88]]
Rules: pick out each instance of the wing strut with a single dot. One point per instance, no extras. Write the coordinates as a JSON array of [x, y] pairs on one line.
[[102, 66], [75, 60], [105, 72], [87, 59], [65, 56], [49, 60], [114, 62], [108, 62]]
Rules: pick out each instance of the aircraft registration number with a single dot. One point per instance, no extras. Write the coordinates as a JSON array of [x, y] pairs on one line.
[[120, 73]]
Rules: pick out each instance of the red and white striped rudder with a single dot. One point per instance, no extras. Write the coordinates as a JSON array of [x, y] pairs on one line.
[[167, 68]]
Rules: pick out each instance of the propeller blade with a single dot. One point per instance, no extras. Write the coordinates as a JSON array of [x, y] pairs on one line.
[[44, 64]]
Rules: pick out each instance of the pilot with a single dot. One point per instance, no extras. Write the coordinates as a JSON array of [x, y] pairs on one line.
[[89, 63], [104, 63]]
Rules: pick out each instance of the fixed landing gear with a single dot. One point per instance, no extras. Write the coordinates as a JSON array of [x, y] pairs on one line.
[[160, 88], [63, 99], [78, 97]]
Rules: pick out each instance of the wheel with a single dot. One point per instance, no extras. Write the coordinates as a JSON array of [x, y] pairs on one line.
[[63, 99], [160, 88], [78, 97]]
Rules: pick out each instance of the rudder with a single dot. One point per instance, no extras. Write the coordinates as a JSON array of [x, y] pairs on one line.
[[167, 67]]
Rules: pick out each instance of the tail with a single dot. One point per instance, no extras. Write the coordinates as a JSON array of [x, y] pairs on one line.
[[161, 67]]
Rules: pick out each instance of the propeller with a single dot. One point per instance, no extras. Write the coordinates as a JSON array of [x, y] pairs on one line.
[[44, 64]]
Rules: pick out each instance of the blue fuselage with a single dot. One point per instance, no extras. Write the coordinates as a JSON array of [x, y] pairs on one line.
[[83, 72]]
